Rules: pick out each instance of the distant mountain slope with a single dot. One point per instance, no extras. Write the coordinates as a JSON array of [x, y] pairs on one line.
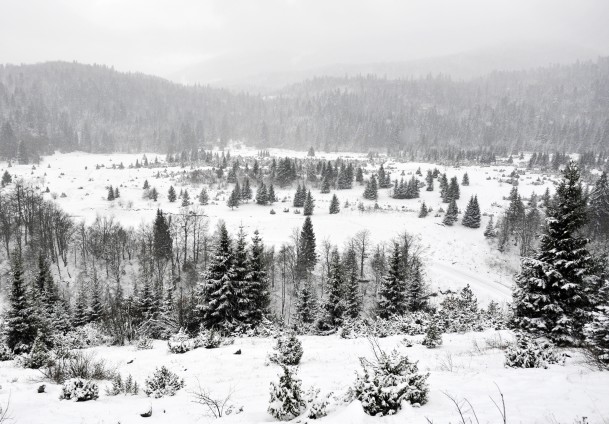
[[70, 106]]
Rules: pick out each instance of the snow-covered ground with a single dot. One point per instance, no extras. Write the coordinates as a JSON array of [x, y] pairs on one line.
[[455, 255], [559, 394]]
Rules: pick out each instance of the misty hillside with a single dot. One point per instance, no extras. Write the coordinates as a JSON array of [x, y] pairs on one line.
[[69, 106]]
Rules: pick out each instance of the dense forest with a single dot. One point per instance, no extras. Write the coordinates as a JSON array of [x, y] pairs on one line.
[[69, 106]]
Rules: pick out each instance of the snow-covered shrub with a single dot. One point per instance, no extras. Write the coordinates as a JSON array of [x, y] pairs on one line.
[[89, 335], [79, 390], [128, 386], [181, 343], [76, 365], [38, 356], [5, 353], [288, 350], [388, 381], [287, 400], [163, 383], [209, 339], [597, 336], [144, 343], [318, 405], [529, 353], [433, 336]]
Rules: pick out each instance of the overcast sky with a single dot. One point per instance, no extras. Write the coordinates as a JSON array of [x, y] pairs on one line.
[[164, 36]]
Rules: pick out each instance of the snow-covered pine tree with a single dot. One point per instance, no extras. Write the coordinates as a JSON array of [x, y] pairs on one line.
[[352, 297], [392, 292], [451, 213], [443, 180], [258, 284], [325, 185], [333, 306], [471, 217], [203, 197], [300, 196], [599, 209], [81, 315], [489, 231], [261, 195], [306, 303], [371, 190], [306, 257], [334, 205], [416, 288], [554, 291], [154, 194], [21, 318], [287, 398], [171, 194], [218, 303], [185, 199], [271, 194], [429, 181], [465, 181], [96, 307], [423, 210], [597, 330], [359, 175], [110, 196], [240, 277], [246, 191], [234, 198], [309, 205]]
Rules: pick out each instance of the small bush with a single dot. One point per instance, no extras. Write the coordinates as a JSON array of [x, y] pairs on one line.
[[318, 405], [433, 336], [79, 390], [38, 357], [388, 381], [181, 343], [209, 339], [119, 386], [288, 350], [529, 353], [5, 353], [163, 383], [286, 401], [144, 343], [77, 365]]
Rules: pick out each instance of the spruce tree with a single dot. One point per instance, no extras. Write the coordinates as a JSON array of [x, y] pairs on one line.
[[597, 330], [203, 197], [333, 306], [161, 237], [471, 217], [429, 181], [116, 193], [185, 199], [218, 304], [371, 190], [489, 231], [465, 181], [555, 289], [21, 319], [240, 277], [423, 211], [309, 204], [261, 195], [110, 194], [451, 213], [334, 205], [416, 288], [271, 194], [246, 191], [81, 314], [353, 303], [306, 303], [146, 185], [154, 194], [300, 196], [258, 284], [599, 208], [392, 292], [171, 194], [359, 175], [325, 185], [306, 257], [235, 196], [443, 181], [96, 307]]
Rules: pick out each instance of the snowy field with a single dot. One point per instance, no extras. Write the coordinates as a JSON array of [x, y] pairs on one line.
[[458, 368], [455, 256], [465, 366]]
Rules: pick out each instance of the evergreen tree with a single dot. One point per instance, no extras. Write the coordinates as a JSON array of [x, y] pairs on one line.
[[161, 237], [451, 213], [116, 193], [300, 196], [240, 277], [110, 194], [287, 398], [371, 190], [325, 185], [333, 306], [21, 320], [96, 308], [416, 288], [465, 181], [271, 194], [359, 175], [81, 315], [554, 291], [203, 197], [258, 284], [471, 217], [489, 231], [353, 303], [423, 212], [334, 205], [146, 185], [599, 208], [171, 194], [306, 256], [597, 331], [154, 194], [392, 292], [235, 196], [246, 191], [6, 179], [218, 305], [429, 181], [443, 181], [185, 199], [261, 195], [309, 205], [306, 303]]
